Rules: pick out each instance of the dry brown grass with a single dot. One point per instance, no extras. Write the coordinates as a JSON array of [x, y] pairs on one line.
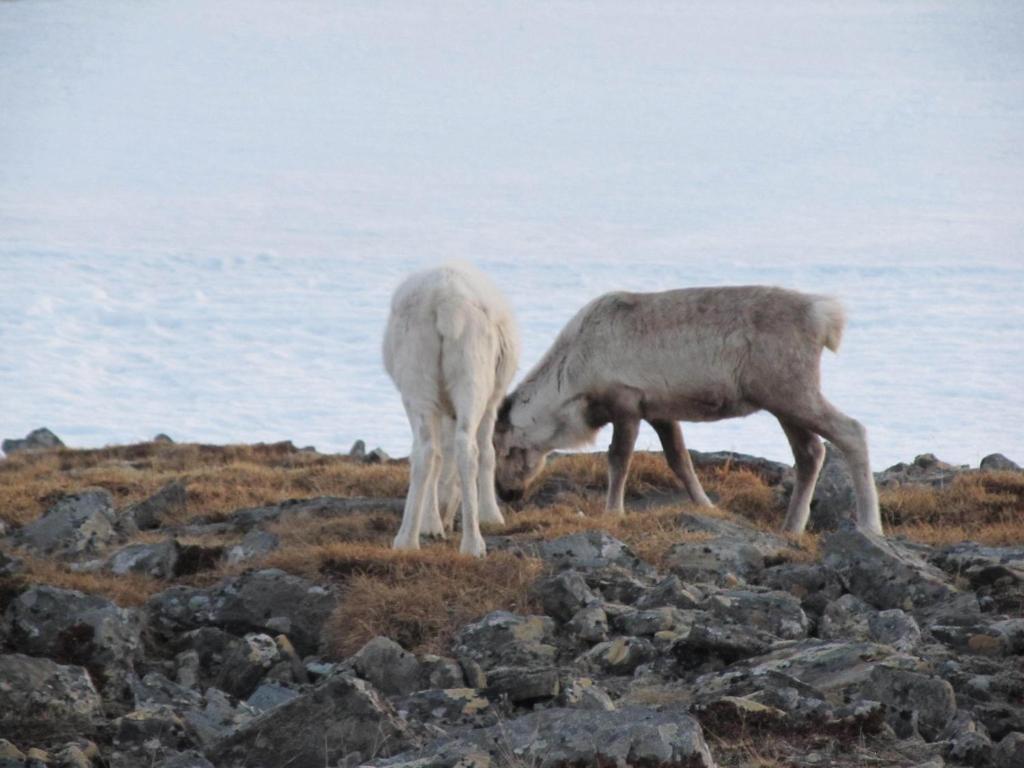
[[975, 499], [220, 479], [420, 599], [127, 590]]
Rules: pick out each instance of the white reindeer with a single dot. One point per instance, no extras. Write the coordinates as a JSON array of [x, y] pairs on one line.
[[698, 354], [451, 347]]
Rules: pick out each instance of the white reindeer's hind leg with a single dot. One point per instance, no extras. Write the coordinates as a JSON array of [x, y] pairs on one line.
[[424, 460], [851, 438], [489, 511], [678, 459], [809, 454]]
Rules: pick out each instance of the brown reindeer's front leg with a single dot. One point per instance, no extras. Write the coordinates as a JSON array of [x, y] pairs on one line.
[[620, 454], [678, 458]]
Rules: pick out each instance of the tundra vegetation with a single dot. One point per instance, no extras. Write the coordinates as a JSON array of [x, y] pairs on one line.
[[204, 595]]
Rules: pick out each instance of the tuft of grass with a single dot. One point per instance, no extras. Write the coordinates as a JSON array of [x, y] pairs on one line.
[[127, 590], [970, 501], [420, 599]]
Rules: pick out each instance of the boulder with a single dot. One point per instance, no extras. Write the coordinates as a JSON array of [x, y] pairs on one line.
[[884, 574], [846, 619], [169, 503], [156, 560], [342, 718], [72, 626], [590, 550], [448, 708], [40, 698], [814, 585], [1009, 753], [672, 593], [620, 656], [255, 544], [247, 663], [269, 601], [894, 627], [390, 668], [917, 703], [998, 463], [507, 639], [189, 759], [721, 643], [78, 523], [270, 695], [589, 625], [521, 685], [40, 439], [834, 500], [778, 613], [563, 594], [725, 551], [568, 738], [926, 469]]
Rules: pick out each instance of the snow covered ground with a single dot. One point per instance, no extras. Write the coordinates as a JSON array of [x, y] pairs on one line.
[[205, 206]]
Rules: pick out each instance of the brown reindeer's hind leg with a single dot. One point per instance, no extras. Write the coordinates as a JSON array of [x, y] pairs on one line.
[[620, 454], [678, 459]]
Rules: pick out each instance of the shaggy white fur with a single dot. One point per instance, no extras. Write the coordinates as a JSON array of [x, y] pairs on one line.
[[451, 347], [698, 354]]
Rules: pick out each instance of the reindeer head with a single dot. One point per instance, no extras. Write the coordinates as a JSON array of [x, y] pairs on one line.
[[518, 458]]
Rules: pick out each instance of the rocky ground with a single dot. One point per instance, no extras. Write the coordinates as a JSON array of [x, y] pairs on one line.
[[150, 619]]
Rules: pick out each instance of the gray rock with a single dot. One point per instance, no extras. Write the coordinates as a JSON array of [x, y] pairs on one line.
[[847, 618], [814, 585], [670, 592], [590, 550], [9, 566], [40, 698], [589, 625], [40, 439], [151, 733], [506, 639], [247, 663], [261, 601], [649, 622], [724, 643], [376, 456], [440, 672], [568, 738], [156, 560], [563, 594], [998, 462], [79, 523], [270, 695], [981, 639], [924, 470], [620, 656], [772, 472], [584, 693], [916, 702], [1009, 753], [732, 552], [448, 708], [189, 759], [392, 670], [335, 720], [85, 629], [358, 450], [776, 612], [523, 684], [162, 438], [894, 627], [255, 544], [305, 509], [834, 500], [169, 503], [884, 574]]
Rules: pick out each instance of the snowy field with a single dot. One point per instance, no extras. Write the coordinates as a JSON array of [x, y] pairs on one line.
[[205, 206]]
